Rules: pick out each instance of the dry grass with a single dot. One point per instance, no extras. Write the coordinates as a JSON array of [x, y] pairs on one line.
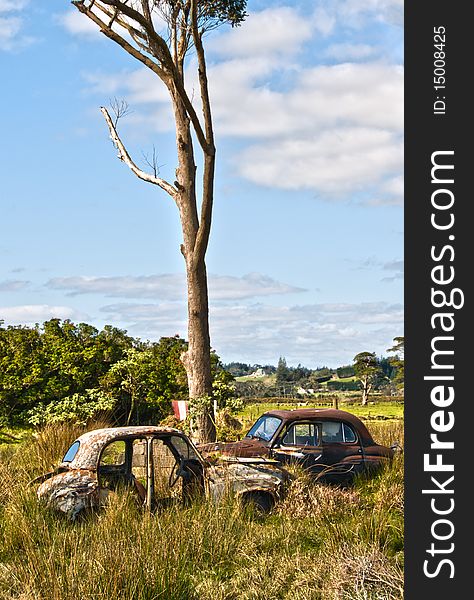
[[320, 543]]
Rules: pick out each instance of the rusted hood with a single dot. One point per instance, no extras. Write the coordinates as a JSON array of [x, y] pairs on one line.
[[248, 447]]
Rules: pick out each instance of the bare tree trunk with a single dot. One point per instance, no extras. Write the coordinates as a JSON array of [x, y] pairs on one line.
[[365, 391], [197, 359]]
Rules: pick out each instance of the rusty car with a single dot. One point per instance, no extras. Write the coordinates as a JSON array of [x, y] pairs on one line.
[[332, 444], [157, 464]]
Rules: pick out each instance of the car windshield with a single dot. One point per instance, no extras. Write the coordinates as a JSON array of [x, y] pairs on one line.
[[264, 428], [71, 453]]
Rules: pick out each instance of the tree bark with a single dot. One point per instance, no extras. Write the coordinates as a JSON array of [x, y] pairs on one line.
[[197, 359]]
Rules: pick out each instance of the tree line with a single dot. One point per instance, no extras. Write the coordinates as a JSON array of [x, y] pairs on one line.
[[62, 370], [65, 371], [367, 373]]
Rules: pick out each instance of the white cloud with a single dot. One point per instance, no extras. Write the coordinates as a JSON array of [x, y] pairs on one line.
[[13, 285], [172, 287], [9, 30], [12, 5], [338, 129], [142, 86], [11, 25], [322, 97], [396, 267], [339, 161], [394, 186], [78, 24], [350, 52], [29, 314], [324, 22], [272, 31], [356, 12], [259, 333], [150, 321]]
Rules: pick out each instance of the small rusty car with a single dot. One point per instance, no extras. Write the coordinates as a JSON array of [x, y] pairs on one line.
[[158, 464], [334, 445]]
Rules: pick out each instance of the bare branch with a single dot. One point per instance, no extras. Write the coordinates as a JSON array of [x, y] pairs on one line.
[[167, 70], [152, 162], [206, 103], [110, 33], [125, 157], [157, 43], [202, 237], [120, 108]]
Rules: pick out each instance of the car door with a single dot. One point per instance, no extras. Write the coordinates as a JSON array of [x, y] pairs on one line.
[[299, 443], [342, 453]]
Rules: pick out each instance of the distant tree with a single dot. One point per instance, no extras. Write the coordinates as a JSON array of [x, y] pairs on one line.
[[398, 347], [345, 371], [323, 372], [343, 386], [387, 367], [283, 373], [398, 362], [238, 369], [299, 373], [368, 371]]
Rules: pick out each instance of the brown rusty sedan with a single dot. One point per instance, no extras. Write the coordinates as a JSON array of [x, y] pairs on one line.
[[158, 465], [332, 444]]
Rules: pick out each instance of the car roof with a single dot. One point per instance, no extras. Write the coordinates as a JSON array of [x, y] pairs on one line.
[[92, 442], [324, 414]]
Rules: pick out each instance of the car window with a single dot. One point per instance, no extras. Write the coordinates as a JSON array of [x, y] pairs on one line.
[[113, 454], [332, 431], [164, 464], [264, 428], [302, 434], [71, 453], [335, 431], [182, 447], [139, 459], [349, 433]]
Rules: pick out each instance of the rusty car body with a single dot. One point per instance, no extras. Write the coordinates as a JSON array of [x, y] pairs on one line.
[[157, 464], [333, 445]]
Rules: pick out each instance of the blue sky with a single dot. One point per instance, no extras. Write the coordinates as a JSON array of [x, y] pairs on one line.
[[306, 252]]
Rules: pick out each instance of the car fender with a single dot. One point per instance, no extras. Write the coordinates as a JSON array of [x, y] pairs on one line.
[[70, 492]]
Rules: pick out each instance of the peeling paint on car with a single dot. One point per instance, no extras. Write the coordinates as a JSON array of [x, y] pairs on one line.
[[336, 460], [77, 484]]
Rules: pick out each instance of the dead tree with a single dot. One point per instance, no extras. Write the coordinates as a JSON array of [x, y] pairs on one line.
[[132, 24]]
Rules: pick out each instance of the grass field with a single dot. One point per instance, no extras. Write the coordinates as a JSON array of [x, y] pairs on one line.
[[321, 543], [370, 412]]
